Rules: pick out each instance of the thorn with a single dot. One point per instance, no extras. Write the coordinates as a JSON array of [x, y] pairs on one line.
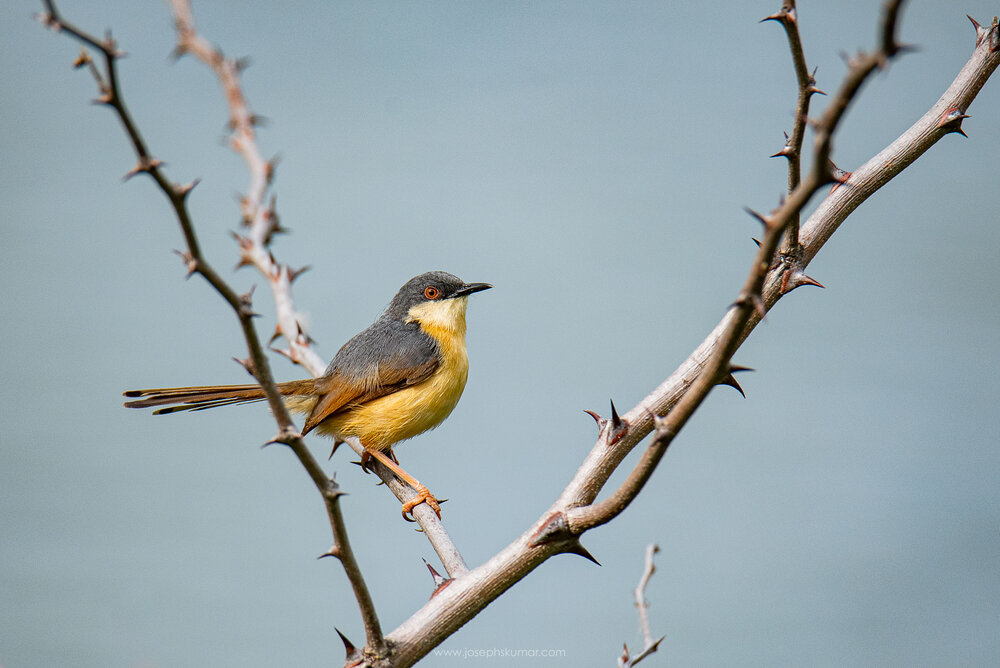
[[246, 363], [284, 352], [730, 379], [336, 444], [189, 262], [815, 91], [241, 64], [333, 490], [623, 660], [766, 221], [619, 426], [275, 336], [146, 164], [794, 278], [601, 422], [756, 241], [185, 190], [348, 645], [332, 552], [575, 547], [838, 176], [951, 121], [440, 581], [783, 153]]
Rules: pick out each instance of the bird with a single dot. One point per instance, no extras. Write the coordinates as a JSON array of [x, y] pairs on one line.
[[398, 378]]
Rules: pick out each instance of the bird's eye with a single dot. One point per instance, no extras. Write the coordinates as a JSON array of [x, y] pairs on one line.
[[430, 292]]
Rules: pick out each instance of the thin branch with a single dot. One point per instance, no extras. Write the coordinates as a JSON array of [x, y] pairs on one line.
[[258, 209], [261, 218], [642, 605], [788, 17], [257, 363]]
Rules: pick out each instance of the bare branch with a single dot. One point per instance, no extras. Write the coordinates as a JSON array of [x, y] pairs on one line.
[[241, 305], [788, 17], [260, 216], [258, 210], [642, 605]]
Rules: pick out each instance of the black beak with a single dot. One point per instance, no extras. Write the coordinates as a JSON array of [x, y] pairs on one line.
[[469, 288]]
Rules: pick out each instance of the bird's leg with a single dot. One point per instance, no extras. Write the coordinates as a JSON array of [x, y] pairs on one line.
[[423, 494]]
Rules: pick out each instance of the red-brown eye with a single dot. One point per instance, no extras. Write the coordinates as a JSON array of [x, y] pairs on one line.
[[430, 292]]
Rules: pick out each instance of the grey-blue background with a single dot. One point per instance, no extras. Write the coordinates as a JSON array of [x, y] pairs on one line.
[[589, 159]]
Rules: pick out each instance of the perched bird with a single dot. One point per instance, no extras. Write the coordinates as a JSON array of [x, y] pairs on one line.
[[400, 377]]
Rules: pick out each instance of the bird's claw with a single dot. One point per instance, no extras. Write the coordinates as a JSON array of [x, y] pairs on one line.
[[423, 496]]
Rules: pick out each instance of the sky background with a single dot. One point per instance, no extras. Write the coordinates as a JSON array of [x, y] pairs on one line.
[[591, 160]]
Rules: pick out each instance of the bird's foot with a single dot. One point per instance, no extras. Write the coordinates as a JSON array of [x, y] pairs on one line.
[[423, 496]]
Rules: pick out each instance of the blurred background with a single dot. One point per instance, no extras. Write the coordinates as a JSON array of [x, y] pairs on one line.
[[591, 160]]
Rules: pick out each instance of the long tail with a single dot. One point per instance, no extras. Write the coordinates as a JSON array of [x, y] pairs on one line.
[[201, 397]]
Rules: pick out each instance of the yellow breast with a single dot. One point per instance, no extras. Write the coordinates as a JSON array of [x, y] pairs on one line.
[[382, 422]]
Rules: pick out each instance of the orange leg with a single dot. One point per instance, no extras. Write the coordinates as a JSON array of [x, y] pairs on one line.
[[423, 494]]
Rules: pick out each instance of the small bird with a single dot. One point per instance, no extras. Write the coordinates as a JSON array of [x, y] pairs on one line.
[[400, 377]]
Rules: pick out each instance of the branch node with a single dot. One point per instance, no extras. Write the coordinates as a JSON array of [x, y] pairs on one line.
[[794, 278], [554, 528], [619, 426], [332, 552], [951, 121]]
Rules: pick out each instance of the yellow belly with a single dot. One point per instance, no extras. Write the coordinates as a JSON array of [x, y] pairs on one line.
[[382, 422]]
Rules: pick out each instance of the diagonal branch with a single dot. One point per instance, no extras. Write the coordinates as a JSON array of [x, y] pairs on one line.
[[751, 302], [260, 217], [259, 214], [257, 363]]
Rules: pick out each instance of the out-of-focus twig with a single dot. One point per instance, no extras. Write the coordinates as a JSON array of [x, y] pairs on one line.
[[258, 204], [649, 644], [260, 217], [791, 250]]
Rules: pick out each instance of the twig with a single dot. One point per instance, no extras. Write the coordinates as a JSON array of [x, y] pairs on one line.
[[649, 644], [791, 249], [261, 218], [257, 363], [258, 210]]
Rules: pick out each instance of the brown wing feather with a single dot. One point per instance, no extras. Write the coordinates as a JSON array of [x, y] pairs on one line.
[[337, 392]]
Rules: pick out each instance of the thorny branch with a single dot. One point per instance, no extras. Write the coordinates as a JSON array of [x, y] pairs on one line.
[[257, 364], [667, 408], [626, 660], [750, 301], [791, 250], [260, 216]]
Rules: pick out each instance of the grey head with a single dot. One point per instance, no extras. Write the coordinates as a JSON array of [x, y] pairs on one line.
[[429, 287]]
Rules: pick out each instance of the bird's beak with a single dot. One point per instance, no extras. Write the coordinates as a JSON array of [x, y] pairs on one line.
[[469, 288]]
